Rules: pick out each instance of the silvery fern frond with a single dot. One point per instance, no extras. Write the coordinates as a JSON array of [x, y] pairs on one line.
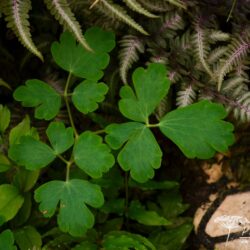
[[136, 6], [185, 96], [131, 46], [120, 14], [237, 51], [201, 47], [17, 16], [61, 11], [177, 3]]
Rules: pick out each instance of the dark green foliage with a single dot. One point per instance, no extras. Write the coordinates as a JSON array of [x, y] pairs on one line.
[[82, 165]]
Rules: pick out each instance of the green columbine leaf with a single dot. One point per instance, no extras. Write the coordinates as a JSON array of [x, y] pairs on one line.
[[118, 134], [10, 202], [61, 138], [21, 129], [80, 62], [91, 155], [7, 240], [198, 130], [151, 85], [141, 155], [39, 94], [4, 118], [28, 238], [100, 40], [151, 218], [123, 240], [31, 153], [74, 216], [87, 94]]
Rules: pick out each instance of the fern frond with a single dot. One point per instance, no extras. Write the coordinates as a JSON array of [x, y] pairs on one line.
[[237, 52], [232, 83], [216, 54], [218, 36], [182, 43], [155, 5], [131, 46], [241, 109], [201, 47], [121, 14], [172, 20], [134, 5], [186, 96], [61, 11], [16, 12], [177, 3]]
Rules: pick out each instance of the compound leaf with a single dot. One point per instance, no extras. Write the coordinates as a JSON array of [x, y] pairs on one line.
[[7, 240], [87, 94], [198, 129], [151, 218], [91, 155], [124, 240], [31, 153], [141, 155], [60, 138], [118, 134], [39, 94], [74, 58], [10, 202], [151, 85], [74, 216]]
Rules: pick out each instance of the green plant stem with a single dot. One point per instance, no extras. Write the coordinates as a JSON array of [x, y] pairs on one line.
[[152, 125], [68, 170], [68, 106], [100, 131], [231, 10], [63, 159]]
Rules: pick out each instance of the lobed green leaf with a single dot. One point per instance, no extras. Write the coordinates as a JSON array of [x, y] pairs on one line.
[[151, 85], [31, 153], [91, 155], [61, 138], [77, 60], [74, 216], [141, 155], [87, 94], [7, 240], [39, 94], [198, 129]]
